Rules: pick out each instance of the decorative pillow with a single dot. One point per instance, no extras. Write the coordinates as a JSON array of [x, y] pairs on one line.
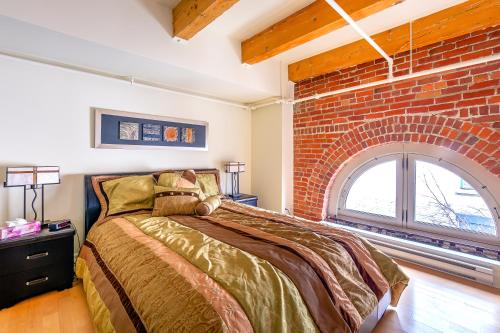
[[185, 179], [207, 206], [169, 179], [175, 200], [208, 183], [127, 194], [188, 179]]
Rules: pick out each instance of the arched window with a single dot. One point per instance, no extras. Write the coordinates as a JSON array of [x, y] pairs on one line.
[[415, 191]]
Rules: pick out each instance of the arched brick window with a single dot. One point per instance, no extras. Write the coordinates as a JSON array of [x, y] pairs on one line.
[[312, 184], [424, 189]]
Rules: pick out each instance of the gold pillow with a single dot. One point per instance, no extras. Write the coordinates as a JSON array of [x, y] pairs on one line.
[[207, 206], [169, 179], [208, 183], [128, 194], [185, 179], [175, 200]]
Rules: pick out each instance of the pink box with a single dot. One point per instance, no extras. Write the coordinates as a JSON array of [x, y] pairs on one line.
[[20, 230]]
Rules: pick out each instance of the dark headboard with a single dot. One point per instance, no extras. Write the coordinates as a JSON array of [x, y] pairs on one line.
[[92, 205]]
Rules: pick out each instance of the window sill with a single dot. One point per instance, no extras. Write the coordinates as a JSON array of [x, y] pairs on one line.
[[448, 242], [480, 269]]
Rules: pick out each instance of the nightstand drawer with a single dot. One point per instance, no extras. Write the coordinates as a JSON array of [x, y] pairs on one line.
[[15, 287], [21, 258], [245, 199], [250, 202]]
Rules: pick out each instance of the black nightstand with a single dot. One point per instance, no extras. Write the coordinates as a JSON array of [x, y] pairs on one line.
[[246, 199], [35, 264]]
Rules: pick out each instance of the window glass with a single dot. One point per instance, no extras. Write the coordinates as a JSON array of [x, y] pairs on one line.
[[374, 191], [444, 199]]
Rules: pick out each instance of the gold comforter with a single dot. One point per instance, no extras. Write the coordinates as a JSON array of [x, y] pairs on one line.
[[239, 270]]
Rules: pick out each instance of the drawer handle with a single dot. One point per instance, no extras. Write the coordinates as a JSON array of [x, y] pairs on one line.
[[37, 281], [37, 256]]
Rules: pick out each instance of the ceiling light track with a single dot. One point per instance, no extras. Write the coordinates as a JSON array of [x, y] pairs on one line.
[[130, 79]]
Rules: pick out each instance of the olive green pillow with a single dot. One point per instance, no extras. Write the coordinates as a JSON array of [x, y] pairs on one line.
[[207, 206], [175, 201], [129, 194], [208, 183]]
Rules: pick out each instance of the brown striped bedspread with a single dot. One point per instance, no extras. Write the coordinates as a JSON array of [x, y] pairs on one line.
[[240, 269]]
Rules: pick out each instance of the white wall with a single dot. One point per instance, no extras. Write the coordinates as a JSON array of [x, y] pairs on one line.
[[272, 151], [46, 120], [288, 91], [267, 182], [142, 29]]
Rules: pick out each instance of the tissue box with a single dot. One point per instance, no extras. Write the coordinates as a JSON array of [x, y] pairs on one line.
[[20, 230]]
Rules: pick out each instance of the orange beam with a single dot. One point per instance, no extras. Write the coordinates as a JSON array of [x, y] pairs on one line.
[[309, 23], [455, 21], [192, 16]]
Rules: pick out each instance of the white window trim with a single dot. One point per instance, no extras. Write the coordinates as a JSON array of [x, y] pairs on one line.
[[459, 164], [481, 189], [352, 179]]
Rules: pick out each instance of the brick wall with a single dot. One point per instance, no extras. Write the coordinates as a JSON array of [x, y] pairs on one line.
[[457, 109]]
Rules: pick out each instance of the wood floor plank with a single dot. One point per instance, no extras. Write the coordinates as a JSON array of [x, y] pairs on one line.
[[438, 302], [433, 302]]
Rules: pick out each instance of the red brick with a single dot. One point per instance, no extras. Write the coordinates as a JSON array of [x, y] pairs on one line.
[[457, 52], [440, 107], [481, 93], [484, 84], [428, 94], [449, 98], [431, 79], [488, 44], [470, 102], [475, 55], [455, 75], [472, 40], [484, 69]]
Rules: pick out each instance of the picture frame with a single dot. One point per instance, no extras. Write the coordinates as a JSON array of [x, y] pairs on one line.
[[115, 129]]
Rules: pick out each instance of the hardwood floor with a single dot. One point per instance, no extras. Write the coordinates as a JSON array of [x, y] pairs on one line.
[[434, 302], [438, 302], [55, 312]]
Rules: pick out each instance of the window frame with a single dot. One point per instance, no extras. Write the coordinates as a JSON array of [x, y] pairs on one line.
[[366, 216], [481, 189], [405, 197]]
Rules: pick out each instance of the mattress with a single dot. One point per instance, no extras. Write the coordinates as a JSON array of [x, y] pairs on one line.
[[241, 269]]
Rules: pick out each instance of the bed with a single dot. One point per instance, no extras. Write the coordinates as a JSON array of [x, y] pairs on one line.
[[240, 269]]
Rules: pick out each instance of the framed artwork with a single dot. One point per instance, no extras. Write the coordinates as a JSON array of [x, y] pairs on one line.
[[151, 132], [188, 135], [171, 134], [127, 130]]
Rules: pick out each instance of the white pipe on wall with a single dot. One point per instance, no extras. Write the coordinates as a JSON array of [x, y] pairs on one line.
[[362, 33], [404, 77], [413, 75], [254, 106], [130, 79]]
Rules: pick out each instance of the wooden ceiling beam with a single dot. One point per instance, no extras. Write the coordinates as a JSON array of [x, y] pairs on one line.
[[452, 22], [307, 24], [191, 16]]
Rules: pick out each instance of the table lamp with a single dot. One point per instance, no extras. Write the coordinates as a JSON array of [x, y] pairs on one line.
[[235, 168], [32, 178]]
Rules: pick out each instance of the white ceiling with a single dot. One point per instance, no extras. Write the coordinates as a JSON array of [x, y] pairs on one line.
[[134, 38]]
